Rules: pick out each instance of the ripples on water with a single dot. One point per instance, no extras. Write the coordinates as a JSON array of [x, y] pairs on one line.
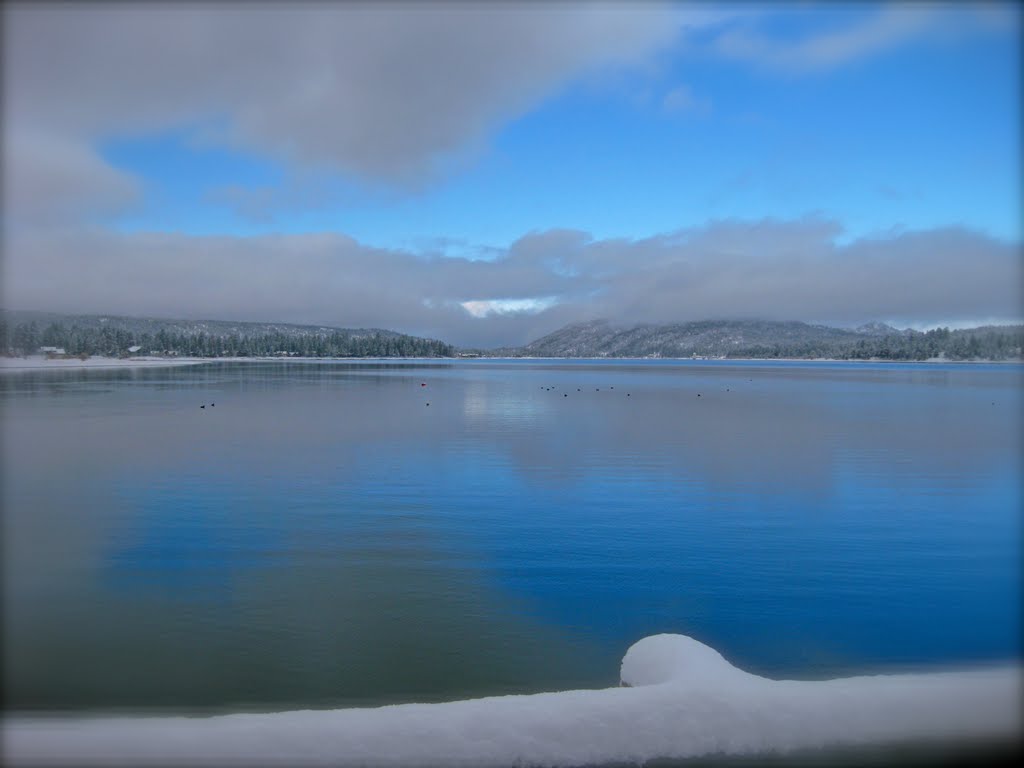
[[322, 537]]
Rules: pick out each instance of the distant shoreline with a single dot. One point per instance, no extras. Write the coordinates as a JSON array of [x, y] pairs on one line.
[[38, 363], [33, 333], [930, 361]]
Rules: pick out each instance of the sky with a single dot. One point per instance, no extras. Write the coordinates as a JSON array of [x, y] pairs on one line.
[[487, 173]]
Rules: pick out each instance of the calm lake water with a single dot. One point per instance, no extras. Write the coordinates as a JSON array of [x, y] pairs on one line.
[[319, 535]]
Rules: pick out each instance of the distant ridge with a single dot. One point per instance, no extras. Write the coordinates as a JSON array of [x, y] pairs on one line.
[[171, 325], [774, 339]]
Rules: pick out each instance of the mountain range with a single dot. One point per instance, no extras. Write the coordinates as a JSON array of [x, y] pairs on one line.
[[772, 339]]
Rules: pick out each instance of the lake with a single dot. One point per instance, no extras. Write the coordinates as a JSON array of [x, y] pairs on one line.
[[342, 533]]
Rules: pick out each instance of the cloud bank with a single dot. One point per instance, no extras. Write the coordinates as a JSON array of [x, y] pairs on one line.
[[879, 32], [768, 269]]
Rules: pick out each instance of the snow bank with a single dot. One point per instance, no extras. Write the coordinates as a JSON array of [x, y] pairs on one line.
[[39, 363], [683, 700]]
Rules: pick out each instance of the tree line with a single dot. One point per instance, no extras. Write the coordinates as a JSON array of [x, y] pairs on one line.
[[991, 343], [27, 338]]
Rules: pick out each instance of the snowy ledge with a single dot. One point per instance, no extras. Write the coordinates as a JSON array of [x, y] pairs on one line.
[[680, 699]]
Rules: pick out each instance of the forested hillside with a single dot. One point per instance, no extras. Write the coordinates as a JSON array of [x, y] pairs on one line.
[[25, 333], [764, 339]]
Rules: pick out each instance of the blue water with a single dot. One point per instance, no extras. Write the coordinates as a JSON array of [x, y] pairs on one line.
[[323, 537]]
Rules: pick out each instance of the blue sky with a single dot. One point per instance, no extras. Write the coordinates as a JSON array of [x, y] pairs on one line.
[[451, 131], [920, 136]]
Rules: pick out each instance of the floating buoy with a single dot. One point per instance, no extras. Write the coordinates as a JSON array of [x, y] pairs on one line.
[[202, 406], [423, 383], [428, 405]]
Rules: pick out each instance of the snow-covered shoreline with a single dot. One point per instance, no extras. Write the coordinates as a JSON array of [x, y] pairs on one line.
[[39, 363], [681, 699]]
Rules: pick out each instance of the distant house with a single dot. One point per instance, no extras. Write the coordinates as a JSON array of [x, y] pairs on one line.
[[133, 350], [53, 353]]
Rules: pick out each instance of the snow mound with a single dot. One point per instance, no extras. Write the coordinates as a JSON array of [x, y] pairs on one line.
[[675, 659], [682, 699]]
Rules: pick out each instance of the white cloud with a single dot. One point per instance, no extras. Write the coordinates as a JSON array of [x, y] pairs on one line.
[[891, 26], [682, 99], [49, 179], [394, 92], [485, 307]]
